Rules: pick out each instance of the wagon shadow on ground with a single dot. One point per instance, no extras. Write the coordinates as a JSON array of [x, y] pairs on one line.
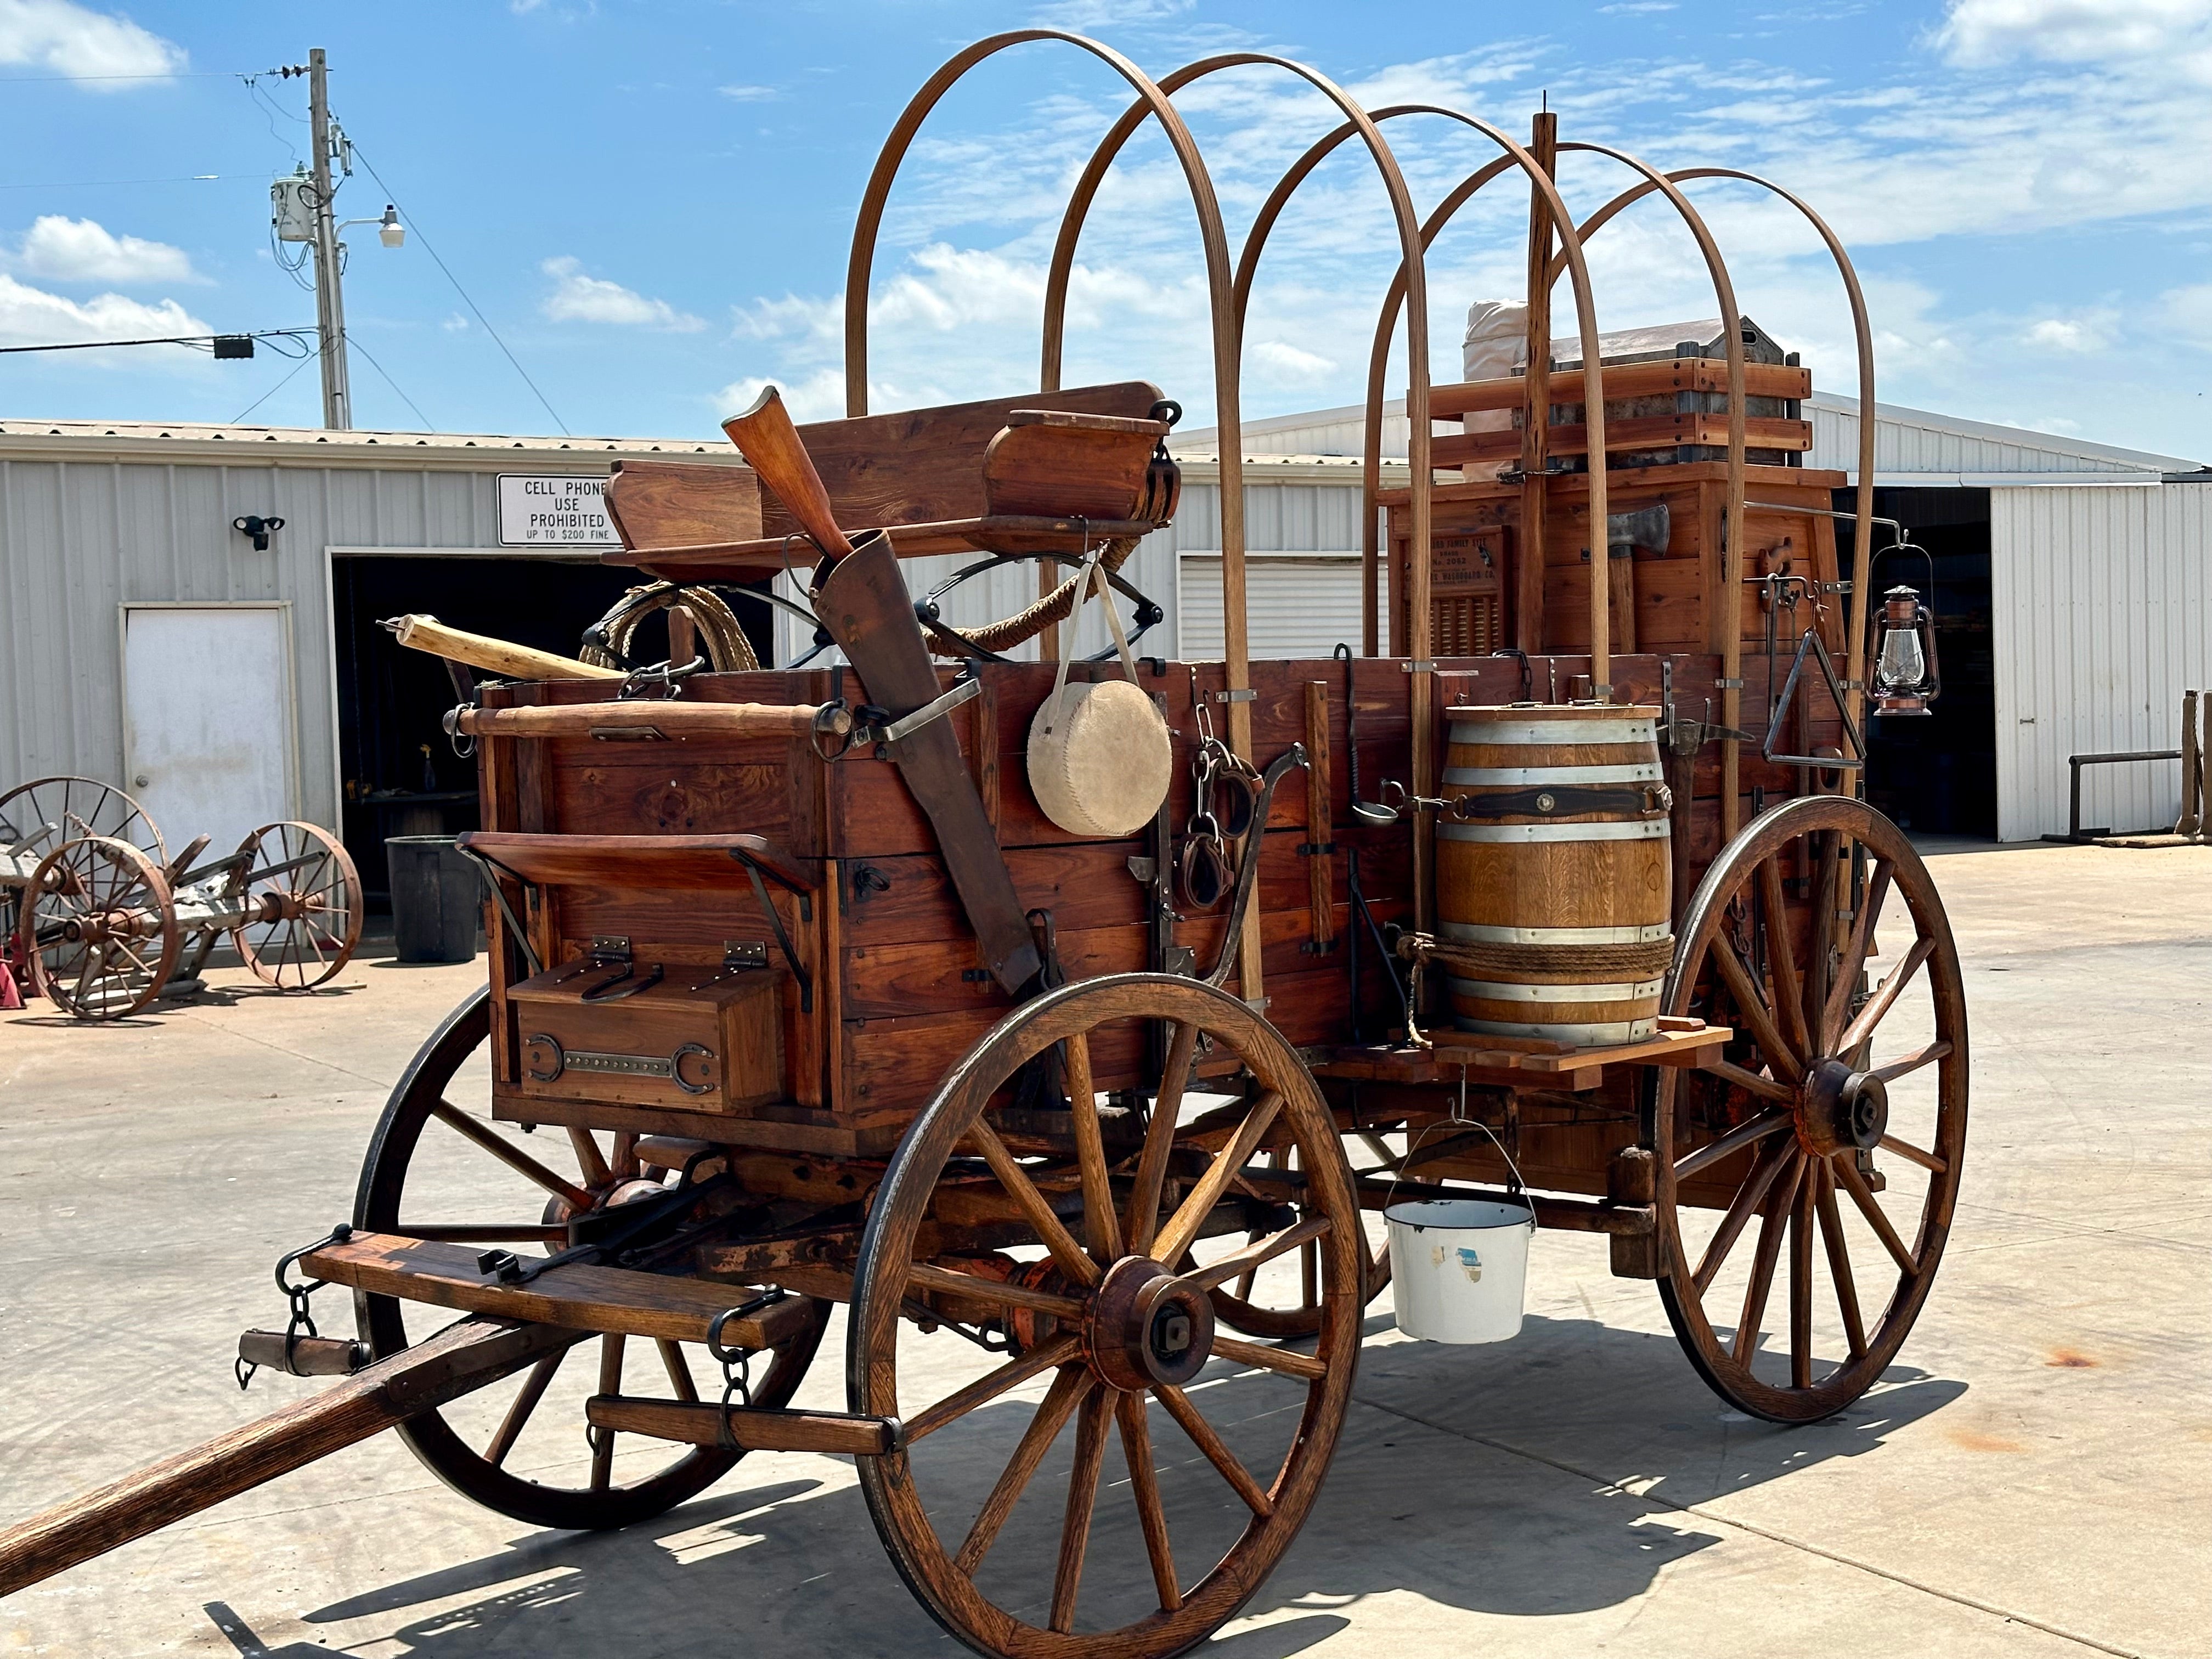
[[1547, 1476]]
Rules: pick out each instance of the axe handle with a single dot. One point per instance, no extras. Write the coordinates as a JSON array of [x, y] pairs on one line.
[[770, 444], [516, 662]]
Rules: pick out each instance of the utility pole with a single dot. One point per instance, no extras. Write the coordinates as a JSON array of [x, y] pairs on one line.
[[330, 305]]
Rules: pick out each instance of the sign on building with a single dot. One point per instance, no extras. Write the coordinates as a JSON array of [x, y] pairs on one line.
[[538, 511]]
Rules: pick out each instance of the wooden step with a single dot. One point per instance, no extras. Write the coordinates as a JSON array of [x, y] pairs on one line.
[[576, 1296]]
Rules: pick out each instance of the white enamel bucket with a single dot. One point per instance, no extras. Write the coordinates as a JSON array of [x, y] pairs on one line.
[[1458, 1267]]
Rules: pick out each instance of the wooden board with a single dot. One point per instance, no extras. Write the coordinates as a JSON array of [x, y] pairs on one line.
[[574, 1298]]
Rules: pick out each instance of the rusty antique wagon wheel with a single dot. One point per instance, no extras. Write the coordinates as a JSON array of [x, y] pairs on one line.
[[301, 896], [1101, 1330], [524, 1448], [37, 816], [1826, 1094], [97, 929]]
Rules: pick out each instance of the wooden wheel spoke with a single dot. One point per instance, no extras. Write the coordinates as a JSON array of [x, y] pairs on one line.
[[1885, 996], [1801, 1281], [1102, 1229], [1782, 953], [1159, 1140], [603, 1439], [525, 1402], [514, 1157], [588, 1158], [1862, 1196], [1750, 1082], [1910, 1064], [1051, 1232], [1288, 1361], [1855, 957], [679, 1368], [1772, 1225], [1253, 1256], [1068, 1390], [1839, 1263], [1145, 1486], [1825, 852], [1743, 1135], [1745, 1205], [921, 1276], [1082, 1499], [989, 1387], [1751, 1003], [1182, 1227], [1911, 1154], [1192, 1422]]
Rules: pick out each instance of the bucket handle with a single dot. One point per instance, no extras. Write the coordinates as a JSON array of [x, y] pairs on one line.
[[1460, 1120]]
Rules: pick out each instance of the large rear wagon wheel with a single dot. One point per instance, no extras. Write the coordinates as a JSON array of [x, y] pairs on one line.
[[439, 1167], [1837, 1120], [1038, 1564]]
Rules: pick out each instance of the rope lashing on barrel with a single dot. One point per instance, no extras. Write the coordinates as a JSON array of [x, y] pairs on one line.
[[1023, 626], [1643, 959]]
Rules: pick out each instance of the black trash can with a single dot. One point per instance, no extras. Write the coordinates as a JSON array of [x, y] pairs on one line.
[[437, 899]]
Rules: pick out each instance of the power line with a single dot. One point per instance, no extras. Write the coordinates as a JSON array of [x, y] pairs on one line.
[[179, 74], [428, 424], [180, 178], [202, 342], [415, 226], [273, 390]]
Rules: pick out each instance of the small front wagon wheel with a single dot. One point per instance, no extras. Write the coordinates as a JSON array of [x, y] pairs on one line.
[[438, 1170], [1103, 1313], [1836, 1120]]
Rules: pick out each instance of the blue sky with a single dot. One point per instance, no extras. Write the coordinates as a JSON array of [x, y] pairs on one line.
[[652, 203]]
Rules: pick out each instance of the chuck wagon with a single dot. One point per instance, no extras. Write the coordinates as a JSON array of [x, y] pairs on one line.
[[803, 991]]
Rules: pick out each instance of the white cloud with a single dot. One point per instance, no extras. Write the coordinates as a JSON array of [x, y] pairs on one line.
[[1981, 32], [750, 95], [2189, 314], [70, 39], [577, 298], [1289, 362], [455, 323], [65, 250], [1635, 8], [31, 316], [1087, 16], [816, 397], [2083, 335]]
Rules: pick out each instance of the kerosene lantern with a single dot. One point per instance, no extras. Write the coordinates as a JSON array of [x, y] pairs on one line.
[[1905, 676]]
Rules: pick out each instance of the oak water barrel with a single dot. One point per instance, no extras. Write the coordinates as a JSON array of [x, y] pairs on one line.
[[1551, 872]]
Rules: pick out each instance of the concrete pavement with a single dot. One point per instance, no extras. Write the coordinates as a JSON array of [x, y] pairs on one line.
[[2030, 1479]]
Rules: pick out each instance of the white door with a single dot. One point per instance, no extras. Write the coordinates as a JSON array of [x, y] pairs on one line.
[[207, 718]]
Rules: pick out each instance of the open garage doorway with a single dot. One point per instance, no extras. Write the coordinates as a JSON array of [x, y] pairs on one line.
[[397, 772], [1937, 774]]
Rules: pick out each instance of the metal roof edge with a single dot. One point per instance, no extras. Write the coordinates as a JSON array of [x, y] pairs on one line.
[[2024, 437], [193, 441]]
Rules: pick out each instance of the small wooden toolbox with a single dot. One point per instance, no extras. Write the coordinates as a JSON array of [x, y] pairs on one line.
[[695, 1039]]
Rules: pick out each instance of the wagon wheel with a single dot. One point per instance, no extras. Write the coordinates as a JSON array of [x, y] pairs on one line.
[[97, 929], [45, 813], [523, 1448], [1206, 1520], [1295, 1310], [302, 901], [75, 807], [1823, 1118]]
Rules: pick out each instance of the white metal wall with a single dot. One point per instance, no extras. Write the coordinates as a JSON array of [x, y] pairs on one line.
[[2103, 610]]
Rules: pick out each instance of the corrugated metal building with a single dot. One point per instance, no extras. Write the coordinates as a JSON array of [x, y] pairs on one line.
[[2071, 578], [2070, 581]]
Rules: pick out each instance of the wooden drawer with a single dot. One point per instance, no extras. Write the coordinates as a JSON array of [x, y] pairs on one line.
[[694, 1040]]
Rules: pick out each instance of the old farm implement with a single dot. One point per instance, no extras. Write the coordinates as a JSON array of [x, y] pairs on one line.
[[104, 920], [803, 992]]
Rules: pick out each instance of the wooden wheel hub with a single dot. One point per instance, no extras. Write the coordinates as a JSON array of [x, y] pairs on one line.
[[1148, 1328], [1839, 1107]]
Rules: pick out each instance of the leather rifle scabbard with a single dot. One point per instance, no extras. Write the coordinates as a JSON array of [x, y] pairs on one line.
[[864, 603]]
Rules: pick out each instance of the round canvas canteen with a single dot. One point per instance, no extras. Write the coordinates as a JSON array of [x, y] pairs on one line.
[[1099, 755]]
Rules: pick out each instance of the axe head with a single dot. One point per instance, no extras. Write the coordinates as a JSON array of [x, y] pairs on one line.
[[1648, 526]]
